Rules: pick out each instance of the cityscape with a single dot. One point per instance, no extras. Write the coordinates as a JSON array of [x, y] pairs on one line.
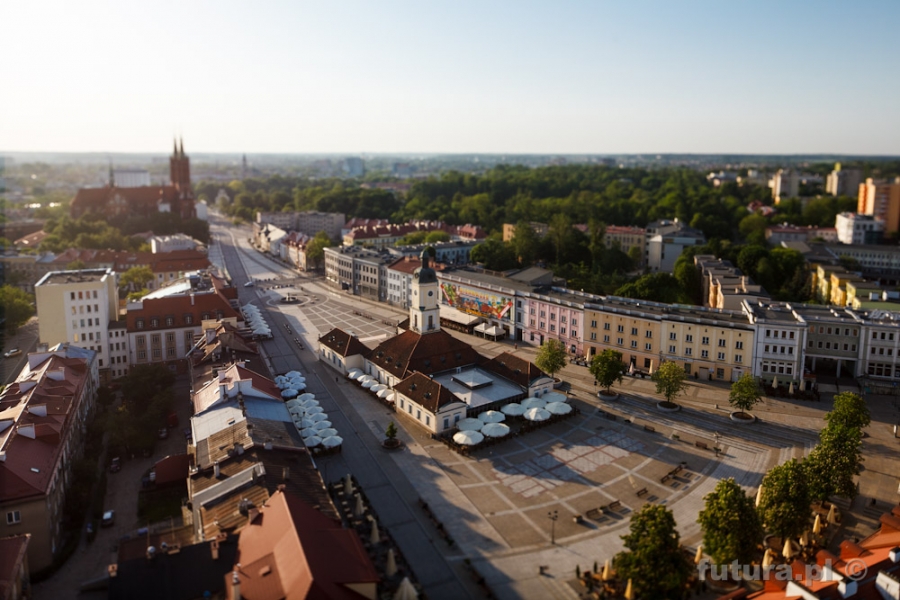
[[449, 301]]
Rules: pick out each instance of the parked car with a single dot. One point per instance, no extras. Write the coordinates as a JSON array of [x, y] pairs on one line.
[[109, 517], [12, 352], [115, 465], [248, 284]]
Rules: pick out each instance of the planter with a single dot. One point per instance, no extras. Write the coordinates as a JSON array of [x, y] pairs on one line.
[[742, 417], [608, 397], [668, 406], [391, 444], [557, 383]]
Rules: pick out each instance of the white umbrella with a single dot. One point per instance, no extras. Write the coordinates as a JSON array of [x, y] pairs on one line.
[[558, 408], [374, 537], [304, 423], [468, 438], [354, 373], [359, 509], [391, 569], [306, 396], [288, 393], [333, 441], [348, 485], [406, 591], [470, 425], [326, 433], [631, 369], [297, 380], [297, 411], [495, 429], [294, 403], [298, 386], [318, 417], [293, 374], [308, 431], [554, 397], [385, 393], [378, 387], [513, 409], [363, 376], [650, 370], [313, 410], [534, 403], [775, 381], [537, 414], [321, 425], [312, 441], [791, 389], [309, 403], [492, 416], [368, 384]]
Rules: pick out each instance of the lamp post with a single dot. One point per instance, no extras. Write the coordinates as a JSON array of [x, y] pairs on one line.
[[553, 515]]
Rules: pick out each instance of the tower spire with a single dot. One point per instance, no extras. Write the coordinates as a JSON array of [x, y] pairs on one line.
[[175, 147], [182, 148]]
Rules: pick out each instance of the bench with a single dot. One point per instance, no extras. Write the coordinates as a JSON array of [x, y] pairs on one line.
[[664, 478], [649, 428], [676, 470], [642, 492], [701, 445]]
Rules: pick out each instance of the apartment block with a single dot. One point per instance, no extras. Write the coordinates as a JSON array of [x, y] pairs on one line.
[[724, 285], [509, 230], [881, 199], [308, 222], [780, 342], [78, 307], [626, 238], [857, 229], [843, 182]]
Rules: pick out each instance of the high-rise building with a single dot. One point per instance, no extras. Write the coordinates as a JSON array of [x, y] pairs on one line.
[[858, 229], [77, 307], [785, 184], [881, 199], [843, 182]]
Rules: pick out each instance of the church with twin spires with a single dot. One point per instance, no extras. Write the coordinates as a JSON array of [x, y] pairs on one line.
[[432, 370], [113, 201]]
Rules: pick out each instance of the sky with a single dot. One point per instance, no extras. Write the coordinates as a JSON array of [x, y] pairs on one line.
[[553, 77]]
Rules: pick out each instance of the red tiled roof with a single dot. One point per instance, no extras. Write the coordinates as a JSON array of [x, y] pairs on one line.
[[343, 343], [13, 550], [511, 367], [426, 392], [408, 264], [178, 307], [291, 551], [141, 200], [429, 353], [32, 240]]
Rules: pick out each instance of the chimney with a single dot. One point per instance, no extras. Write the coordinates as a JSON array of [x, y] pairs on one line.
[[192, 298], [216, 472], [235, 585]]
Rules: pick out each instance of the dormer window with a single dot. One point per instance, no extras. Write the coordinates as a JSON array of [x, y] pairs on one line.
[[412, 387], [154, 322], [140, 323]]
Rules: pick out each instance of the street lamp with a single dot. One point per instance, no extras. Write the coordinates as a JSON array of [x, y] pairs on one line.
[[553, 515]]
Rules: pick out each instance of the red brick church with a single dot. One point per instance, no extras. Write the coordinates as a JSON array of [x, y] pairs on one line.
[[111, 200]]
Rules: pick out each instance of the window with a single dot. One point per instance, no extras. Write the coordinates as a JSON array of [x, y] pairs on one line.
[[154, 322], [721, 356], [141, 341], [721, 343], [543, 325], [80, 296], [606, 326], [142, 354], [672, 336], [157, 353], [170, 321], [72, 296], [634, 343], [648, 347], [620, 329], [427, 420], [738, 358], [605, 339], [562, 330], [170, 338], [739, 345], [648, 334], [188, 319], [688, 351], [543, 314], [704, 354], [140, 323], [790, 336], [574, 333], [552, 327], [689, 338], [562, 319], [170, 352], [671, 349], [704, 341], [768, 333], [89, 308], [552, 316], [13, 517], [419, 414], [574, 322], [720, 373], [620, 341], [593, 323], [593, 336], [634, 331], [532, 322]]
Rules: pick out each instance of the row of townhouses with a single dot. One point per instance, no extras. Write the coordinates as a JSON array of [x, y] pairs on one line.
[[793, 342]]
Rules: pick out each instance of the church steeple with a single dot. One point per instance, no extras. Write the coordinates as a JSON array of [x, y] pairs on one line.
[[424, 309]]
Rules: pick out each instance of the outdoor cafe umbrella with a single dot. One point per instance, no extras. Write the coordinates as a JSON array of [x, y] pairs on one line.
[[554, 397], [698, 556], [306, 396], [374, 537], [817, 525], [513, 409], [832, 516], [650, 370], [468, 438], [304, 422], [312, 441], [318, 417], [298, 386], [321, 425], [363, 377], [631, 369], [354, 373], [348, 485], [325, 433], [537, 414], [791, 389], [308, 431], [788, 551], [406, 591], [470, 425], [492, 416], [759, 494], [558, 408], [495, 429], [530, 403], [359, 509], [293, 374], [332, 441], [288, 393], [377, 387], [309, 403], [293, 403], [313, 410], [775, 381], [629, 591], [369, 384], [385, 392]]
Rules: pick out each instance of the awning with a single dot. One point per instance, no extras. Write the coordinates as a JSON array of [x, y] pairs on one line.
[[451, 314], [481, 328]]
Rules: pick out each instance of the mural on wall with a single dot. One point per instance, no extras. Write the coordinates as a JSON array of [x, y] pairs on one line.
[[476, 302]]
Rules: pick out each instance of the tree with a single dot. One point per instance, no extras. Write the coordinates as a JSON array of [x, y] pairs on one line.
[[15, 307], [608, 368], [136, 296], [524, 243], [688, 276], [315, 249], [657, 287], [849, 410], [730, 524], [653, 561], [833, 463], [745, 393], [551, 357], [391, 431], [669, 379], [560, 227], [784, 506], [433, 237], [137, 278], [76, 265]]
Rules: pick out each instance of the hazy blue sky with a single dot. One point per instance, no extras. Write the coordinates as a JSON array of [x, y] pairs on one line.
[[460, 76]]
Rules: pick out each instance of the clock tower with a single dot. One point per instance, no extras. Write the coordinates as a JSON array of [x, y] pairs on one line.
[[424, 308]]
